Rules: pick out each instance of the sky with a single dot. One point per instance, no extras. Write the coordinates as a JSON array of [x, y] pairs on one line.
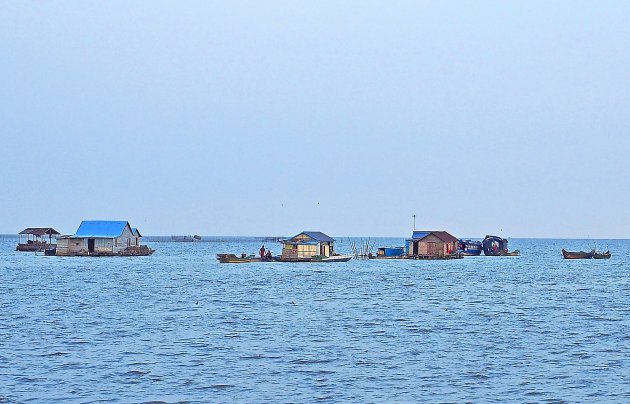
[[273, 117]]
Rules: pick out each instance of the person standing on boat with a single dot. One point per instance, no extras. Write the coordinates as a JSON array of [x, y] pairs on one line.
[[268, 256], [262, 252]]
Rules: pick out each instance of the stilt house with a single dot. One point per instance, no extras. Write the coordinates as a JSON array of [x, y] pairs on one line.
[[306, 245]]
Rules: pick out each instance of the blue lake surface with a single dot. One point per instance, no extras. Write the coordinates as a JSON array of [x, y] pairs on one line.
[[179, 326]]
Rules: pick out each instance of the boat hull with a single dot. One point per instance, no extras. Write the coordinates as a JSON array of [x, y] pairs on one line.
[[335, 258], [471, 253], [234, 259], [577, 255]]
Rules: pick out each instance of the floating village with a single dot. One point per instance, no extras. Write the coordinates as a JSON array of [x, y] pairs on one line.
[[110, 238], [97, 238]]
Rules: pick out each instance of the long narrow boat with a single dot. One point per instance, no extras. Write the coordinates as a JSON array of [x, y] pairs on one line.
[[577, 255], [233, 259], [334, 258], [602, 256]]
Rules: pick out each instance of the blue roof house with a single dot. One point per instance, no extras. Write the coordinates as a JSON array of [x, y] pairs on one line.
[[306, 245], [99, 237]]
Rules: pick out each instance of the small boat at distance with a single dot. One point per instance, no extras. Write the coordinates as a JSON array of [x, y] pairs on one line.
[[496, 246], [602, 256], [577, 255], [333, 258]]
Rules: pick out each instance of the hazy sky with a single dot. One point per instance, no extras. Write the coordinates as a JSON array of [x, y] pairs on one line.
[[268, 118]]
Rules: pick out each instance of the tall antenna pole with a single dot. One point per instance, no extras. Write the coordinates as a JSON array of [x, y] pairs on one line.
[[414, 222]]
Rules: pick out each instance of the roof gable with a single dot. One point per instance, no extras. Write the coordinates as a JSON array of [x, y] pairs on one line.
[[136, 232], [442, 235], [101, 229], [39, 231], [316, 235], [446, 236]]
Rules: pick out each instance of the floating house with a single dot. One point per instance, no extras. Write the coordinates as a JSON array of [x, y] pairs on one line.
[[102, 237], [306, 245], [37, 239], [432, 245]]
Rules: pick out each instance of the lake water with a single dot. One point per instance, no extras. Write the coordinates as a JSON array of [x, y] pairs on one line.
[[178, 326]]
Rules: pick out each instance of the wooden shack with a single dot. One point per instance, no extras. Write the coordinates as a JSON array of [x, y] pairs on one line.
[[37, 239], [137, 237], [306, 245], [102, 237], [432, 245]]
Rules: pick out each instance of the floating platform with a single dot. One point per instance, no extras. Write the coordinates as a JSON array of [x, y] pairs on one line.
[[133, 251], [34, 246], [437, 257]]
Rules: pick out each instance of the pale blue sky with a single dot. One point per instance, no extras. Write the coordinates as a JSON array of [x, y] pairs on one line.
[[261, 118]]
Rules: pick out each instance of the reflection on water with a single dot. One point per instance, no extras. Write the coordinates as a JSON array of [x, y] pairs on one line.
[[179, 326]]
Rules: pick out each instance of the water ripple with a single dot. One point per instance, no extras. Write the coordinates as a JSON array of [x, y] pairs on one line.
[[177, 326]]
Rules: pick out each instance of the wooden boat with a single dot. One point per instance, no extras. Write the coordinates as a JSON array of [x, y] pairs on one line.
[[233, 259], [494, 246], [578, 255], [602, 256]]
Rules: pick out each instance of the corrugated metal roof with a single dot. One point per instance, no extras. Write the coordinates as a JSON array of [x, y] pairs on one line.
[[39, 231], [417, 235], [317, 235], [101, 229], [446, 236], [442, 235]]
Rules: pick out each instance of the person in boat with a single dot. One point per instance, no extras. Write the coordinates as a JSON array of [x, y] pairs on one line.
[[262, 252], [268, 255]]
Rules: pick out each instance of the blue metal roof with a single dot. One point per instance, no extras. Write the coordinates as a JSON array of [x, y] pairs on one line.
[[317, 235], [135, 232], [100, 229], [418, 235]]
